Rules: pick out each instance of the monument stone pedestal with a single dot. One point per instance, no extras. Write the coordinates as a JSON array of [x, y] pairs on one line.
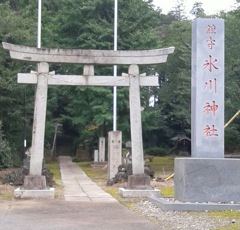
[[139, 186], [207, 180], [34, 188]]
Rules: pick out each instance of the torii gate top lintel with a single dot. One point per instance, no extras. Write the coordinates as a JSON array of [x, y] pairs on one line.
[[109, 57]]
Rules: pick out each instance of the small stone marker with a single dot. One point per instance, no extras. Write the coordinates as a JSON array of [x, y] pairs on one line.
[[101, 149], [96, 155], [128, 145], [114, 152]]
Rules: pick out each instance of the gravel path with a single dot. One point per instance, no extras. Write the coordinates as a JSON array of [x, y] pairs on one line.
[[180, 220]]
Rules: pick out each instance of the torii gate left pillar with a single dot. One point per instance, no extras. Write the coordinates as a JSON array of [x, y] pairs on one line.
[[35, 180], [35, 185], [39, 118]]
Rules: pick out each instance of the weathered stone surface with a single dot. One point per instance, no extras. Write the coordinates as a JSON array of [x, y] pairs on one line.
[[207, 92], [101, 149], [96, 155], [206, 180], [38, 131], [34, 183], [47, 193], [31, 78], [124, 192], [114, 152], [139, 182], [110, 57], [172, 206], [136, 121]]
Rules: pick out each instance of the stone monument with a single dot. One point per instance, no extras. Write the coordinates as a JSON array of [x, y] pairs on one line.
[[207, 176]]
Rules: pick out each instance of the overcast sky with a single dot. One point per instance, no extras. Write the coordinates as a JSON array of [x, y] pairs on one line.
[[210, 6]]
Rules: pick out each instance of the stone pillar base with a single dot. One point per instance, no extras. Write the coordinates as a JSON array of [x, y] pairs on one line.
[[34, 182], [45, 194], [139, 186], [140, 182]]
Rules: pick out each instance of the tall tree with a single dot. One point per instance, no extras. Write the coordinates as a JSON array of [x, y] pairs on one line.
[[197, 10], [232, 77], [89, 25], [15, 28]]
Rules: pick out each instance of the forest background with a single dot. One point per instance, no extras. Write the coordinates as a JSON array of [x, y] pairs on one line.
[[85, 113]]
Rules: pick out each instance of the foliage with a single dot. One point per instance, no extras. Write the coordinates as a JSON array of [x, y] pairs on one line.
[[86, 112], [232, 78], [15, 28], [174, 103], [197, 10], [156, 151], [5, 151], [232, 138]]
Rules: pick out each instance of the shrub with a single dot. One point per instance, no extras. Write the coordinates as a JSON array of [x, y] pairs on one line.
[[156, 151], [232, 138]]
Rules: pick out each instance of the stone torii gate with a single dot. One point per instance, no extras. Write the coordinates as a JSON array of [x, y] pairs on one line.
[[42, 78]]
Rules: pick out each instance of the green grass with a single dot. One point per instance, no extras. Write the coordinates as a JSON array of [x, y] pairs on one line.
[[229, 215], [162, 166], [6, 195], [167, 191], [95, 174], [53, 166]]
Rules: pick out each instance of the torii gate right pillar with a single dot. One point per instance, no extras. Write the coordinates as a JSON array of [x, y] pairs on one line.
[[135, 120], [138, 180]]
